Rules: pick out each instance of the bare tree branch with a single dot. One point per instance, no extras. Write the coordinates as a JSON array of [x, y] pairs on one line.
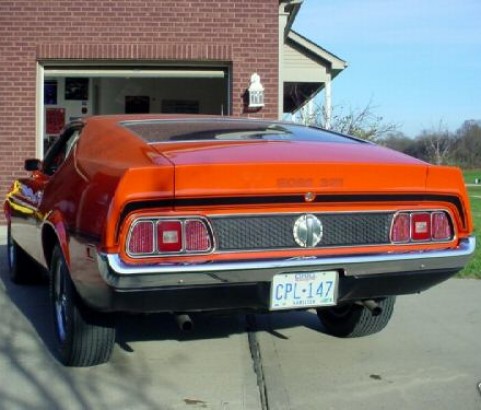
[[362, 123]]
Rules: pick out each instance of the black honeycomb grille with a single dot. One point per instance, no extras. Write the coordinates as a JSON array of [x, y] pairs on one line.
[[276, 231]]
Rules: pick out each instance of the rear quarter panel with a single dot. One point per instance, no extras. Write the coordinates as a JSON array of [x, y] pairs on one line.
[[450, 181]]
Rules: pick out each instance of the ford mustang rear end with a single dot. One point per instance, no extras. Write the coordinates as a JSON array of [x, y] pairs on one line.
[[192, 214]]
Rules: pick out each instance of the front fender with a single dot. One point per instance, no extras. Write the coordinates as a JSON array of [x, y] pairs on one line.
[[16, 203]]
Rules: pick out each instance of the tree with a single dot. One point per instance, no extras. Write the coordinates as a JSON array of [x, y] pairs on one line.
[[398, 141], [362, 123], [438, 144], [467, 150]]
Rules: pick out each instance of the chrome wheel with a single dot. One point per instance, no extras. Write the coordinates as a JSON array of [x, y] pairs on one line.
[[83, 337], [60, 303]]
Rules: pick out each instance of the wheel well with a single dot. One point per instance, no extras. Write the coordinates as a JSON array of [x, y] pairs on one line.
[[49, 240]]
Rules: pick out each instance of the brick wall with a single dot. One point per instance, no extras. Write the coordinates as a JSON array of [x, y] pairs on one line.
[[244, 33]]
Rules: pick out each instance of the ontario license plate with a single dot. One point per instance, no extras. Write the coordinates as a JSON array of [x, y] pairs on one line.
[[303, 290]]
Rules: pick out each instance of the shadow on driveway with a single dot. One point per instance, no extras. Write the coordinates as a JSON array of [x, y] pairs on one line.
[[26, 359], [33, 302]]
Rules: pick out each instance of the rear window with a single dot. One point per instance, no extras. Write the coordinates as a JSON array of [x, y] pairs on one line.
[[153, 131]]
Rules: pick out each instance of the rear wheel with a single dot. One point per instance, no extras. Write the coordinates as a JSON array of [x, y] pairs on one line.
[[84, 337], [354, 320], [21, 267]]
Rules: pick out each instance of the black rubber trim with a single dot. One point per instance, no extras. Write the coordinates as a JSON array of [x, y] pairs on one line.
[[291, 199]]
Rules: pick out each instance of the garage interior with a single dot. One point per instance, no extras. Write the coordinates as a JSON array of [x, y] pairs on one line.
[[73, 92]]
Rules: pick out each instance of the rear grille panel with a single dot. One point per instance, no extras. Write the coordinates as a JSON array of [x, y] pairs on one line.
[[258, 232]]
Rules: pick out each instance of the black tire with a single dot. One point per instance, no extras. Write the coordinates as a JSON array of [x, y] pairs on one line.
[[22, 268], [83, 337], [354, 320]]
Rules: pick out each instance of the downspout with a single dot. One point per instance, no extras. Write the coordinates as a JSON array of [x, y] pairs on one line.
[[328, 101]]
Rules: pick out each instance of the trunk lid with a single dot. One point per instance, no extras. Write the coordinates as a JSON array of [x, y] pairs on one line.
[[252, 168]]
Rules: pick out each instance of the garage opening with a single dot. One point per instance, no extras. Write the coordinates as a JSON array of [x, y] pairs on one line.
[[67, 93]]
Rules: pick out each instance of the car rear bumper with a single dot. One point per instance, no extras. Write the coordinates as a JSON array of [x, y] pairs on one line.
[[242, 284]]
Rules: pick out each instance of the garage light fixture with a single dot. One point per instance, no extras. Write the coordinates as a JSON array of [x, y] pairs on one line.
[[256, 92]]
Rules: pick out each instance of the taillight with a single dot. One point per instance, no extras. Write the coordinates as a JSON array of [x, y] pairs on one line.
[[141, 238], [426, 226], [164, 237], [441, 227], [401, 228], [197, 237], [169, 236], [421, 226]]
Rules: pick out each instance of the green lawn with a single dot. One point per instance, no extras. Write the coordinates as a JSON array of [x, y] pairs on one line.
[[473, 269], [471, 174]]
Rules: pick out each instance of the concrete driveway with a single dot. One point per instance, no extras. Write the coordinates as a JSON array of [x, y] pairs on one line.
[[428, 357]]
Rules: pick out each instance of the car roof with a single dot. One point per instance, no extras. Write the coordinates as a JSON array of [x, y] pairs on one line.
[[155, 128]]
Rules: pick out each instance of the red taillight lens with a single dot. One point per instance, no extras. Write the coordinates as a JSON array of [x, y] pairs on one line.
[[421, 226], [169, 236], [441, 227], [401, 228], [197, 237], [141, 240]]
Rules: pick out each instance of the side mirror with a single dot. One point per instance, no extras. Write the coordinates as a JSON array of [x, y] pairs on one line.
[[32, 165]]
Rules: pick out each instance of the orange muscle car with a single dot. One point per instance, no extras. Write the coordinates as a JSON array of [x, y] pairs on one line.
[[188, 214]]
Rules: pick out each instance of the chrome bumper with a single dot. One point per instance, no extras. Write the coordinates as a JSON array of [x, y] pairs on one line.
[[122, 276]]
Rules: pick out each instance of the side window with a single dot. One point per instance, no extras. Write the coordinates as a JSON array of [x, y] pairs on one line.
[[71, 143], [60, 151]]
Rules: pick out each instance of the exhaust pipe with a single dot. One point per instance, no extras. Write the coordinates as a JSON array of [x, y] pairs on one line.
[[184, 322], [373, 307]]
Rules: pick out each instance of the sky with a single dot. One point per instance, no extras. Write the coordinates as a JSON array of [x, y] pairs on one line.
[[417, 62]]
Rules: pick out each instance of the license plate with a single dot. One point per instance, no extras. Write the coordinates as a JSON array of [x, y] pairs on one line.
[[303, 290]]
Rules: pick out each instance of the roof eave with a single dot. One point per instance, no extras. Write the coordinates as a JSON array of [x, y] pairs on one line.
[[292, 8], [336, 64]]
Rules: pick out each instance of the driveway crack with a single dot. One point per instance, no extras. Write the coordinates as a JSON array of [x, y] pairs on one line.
[[257, 359]]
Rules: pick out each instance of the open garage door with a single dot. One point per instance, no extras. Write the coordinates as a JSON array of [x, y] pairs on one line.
[[69, 92]]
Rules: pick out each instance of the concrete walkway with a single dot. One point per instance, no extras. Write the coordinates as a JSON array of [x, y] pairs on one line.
[[427, 358]]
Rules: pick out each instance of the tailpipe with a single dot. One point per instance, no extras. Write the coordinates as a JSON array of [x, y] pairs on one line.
[[184, 322], [373, 307]]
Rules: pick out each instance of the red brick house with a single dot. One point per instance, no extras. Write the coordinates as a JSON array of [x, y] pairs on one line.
[[60, 60]]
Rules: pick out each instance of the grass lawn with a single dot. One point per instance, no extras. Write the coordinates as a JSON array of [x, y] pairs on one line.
[[473, 268], [471, 174]]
